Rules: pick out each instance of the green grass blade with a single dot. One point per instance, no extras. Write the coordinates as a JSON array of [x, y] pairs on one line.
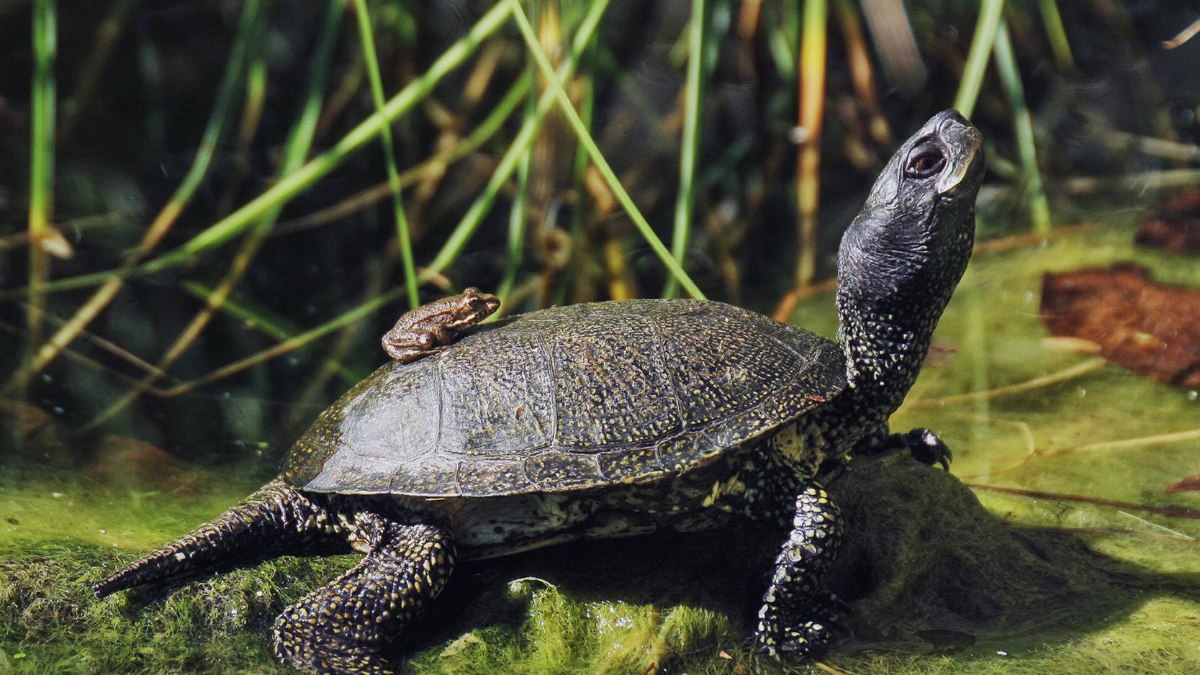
[[481, 134], [293, 343], [249, 29], [113, 281], [520, 145], [389, 154], [981, 48], [41, 161], [516, 223], [265, 322], [297, 147], [814, 41], [304, 177], [315, 169], [1057, 34], [308, 174], [689, 145], [783, 34], [610, 177], [1031, 177], [587, 106]]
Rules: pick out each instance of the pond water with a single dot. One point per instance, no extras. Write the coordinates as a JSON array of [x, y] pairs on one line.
[[1069, 560]]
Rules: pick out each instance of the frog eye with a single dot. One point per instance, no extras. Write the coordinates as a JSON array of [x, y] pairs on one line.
[[925, 162], [474, 303], [425, 340]]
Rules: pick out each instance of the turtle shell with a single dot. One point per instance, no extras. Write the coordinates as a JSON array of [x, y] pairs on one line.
[[569, 398]]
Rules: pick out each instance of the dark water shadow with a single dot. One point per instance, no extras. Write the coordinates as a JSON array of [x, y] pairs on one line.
[[925, 569]]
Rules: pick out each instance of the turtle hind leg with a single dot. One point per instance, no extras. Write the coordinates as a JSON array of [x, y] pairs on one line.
[[341, 627], [276, 519]]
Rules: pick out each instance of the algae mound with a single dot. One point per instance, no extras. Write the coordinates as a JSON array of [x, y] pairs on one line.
[[926, 569]]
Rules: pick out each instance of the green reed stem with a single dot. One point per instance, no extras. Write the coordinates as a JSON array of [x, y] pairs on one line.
[[293, 343], [519, 146], [41, 162], [977, 58], [112, 281], [813, 64], [689, 142], [602, 165], [1056, 34], [249, 29], [389, 153], [1031, 177], [296, 148], [516, 220], [320, 166], [480, 135], [265, 322], [782, 22], [587, 106]]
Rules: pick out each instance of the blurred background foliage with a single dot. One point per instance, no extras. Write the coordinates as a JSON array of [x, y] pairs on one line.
[[210, 211]]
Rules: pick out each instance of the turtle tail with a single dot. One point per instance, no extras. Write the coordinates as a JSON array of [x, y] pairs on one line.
[[275, 519]]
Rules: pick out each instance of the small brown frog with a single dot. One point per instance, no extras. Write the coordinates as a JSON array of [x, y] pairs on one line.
[[426, 329]]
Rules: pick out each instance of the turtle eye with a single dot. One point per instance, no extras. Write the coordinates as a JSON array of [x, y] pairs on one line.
[[925, 162]]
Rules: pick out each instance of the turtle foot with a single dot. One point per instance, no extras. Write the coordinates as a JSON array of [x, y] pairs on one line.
[[924, 446], [819, 627], [311, 650]]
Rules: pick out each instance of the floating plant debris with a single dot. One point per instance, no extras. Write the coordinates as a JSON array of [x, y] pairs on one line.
[[1175, 226], [1189, 484], [1149, 328]]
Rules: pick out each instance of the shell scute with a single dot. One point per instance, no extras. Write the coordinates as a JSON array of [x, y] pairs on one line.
[[569, 398]]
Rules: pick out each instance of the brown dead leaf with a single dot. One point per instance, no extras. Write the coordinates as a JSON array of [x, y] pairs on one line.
[[1175, 226], [1149, 328], [120, 460], [1189, 484]]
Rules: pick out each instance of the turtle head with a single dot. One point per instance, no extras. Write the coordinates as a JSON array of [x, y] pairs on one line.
[[903, 254]]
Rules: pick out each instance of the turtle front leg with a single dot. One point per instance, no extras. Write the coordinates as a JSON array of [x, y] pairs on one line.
[[921, 443], [797, 615], [341, 627], [924, 446]]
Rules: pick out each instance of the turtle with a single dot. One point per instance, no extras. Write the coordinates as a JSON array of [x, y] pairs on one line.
[[611, 419]]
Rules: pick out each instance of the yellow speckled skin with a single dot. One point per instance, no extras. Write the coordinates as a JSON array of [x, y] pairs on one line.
[[606, 420], [341, 626]]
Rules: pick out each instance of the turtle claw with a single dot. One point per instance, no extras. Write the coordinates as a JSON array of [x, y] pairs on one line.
[[820, 629], [799, 643], [925, 447], [309, 649]]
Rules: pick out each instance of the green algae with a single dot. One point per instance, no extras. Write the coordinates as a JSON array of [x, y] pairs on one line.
[[940, 578], [926, 569]]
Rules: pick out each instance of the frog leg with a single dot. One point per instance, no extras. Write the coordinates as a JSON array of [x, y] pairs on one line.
[[342, 626]]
